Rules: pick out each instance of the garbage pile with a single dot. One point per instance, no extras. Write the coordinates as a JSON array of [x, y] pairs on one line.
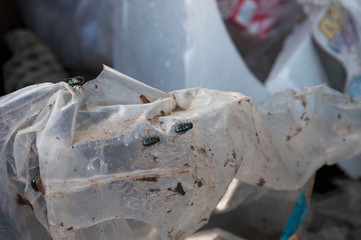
[[199, 147]]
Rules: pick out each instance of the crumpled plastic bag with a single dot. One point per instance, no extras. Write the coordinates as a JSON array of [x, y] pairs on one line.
[[324, 49], [296, 134], [84, 145]]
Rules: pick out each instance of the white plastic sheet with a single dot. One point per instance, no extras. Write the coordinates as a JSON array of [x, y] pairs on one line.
[[168, 45], [181, 44], [297, 65], [85, 145]]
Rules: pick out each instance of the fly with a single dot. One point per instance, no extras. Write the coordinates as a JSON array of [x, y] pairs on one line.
[[183, 127], [150, 140], [75, 81], [33, 184]]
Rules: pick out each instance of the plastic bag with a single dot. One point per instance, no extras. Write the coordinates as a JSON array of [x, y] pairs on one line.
[[298, 64], [172, 45], [88, 143], [261, 40], [324, 49], [178, 45], [80, 33], [99, 156]]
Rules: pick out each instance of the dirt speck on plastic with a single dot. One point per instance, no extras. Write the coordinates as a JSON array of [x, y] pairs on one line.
[[23, 201], [144, 99], [261, 182], [178, 189], [148, 179]]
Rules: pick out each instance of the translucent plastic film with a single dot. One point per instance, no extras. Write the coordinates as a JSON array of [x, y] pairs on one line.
[[84, 158]]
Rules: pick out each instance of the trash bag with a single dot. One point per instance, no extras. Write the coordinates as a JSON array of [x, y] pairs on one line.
[[81, 158], [97, 156]]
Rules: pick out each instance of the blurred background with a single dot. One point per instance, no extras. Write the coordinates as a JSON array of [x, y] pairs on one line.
[[256, 47]]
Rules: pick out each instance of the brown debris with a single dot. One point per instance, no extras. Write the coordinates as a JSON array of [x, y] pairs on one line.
[[148, 179], [198, 182], [179, 189], [23, 201], [144, 99], [261, 182]]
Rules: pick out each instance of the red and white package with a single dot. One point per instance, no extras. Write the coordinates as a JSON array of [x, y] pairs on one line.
[[256, 16]]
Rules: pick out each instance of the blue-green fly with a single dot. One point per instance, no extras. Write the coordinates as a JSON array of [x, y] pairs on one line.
[[75, 81], [150, 140], [183, 127], [33, 184]]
